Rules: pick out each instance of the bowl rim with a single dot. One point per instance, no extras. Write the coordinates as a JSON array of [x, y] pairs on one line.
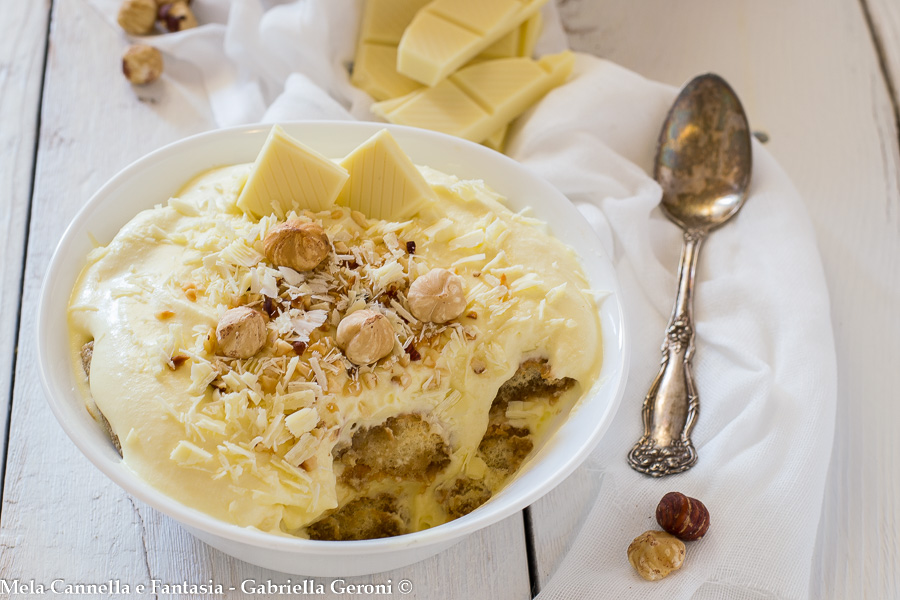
[[57, 394]]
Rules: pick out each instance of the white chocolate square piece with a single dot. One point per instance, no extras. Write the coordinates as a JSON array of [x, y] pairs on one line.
[[384, 183], [290, 176]]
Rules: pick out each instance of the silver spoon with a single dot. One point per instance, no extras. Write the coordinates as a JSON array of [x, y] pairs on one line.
[[703, 164]]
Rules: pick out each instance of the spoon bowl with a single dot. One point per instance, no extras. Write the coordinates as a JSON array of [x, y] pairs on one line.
[[703, 159], [703, 165]]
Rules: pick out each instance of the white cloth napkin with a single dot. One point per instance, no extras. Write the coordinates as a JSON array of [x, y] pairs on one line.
[[765, 362]]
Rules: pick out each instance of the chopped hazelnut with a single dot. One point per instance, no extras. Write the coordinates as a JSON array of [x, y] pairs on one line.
[[241, 332], [282, 348], [296, 244], [190, 291], [269, 306], [370, 380], [178, 360], [412, 352], [359, 218], [137, 17], [268, 383], [177, 16], [142, 64], [437, 296], [365, 336]]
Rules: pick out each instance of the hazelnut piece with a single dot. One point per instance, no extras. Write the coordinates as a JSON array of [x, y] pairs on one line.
[[655, 554], [241, 332], [176, 16], [437, 296], [365, 336], [137, 17], [685, 518], [296, 244], [142, 64]]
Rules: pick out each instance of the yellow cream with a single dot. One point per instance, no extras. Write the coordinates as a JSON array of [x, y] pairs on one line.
[[251, 442]]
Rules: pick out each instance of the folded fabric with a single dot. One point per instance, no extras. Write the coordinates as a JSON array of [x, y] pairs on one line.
[[765, 361], [764, 365]]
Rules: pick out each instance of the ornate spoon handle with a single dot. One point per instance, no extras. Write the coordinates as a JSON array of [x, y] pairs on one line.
[[671, 406]]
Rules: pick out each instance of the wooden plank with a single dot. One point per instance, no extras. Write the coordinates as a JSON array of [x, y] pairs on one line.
[[23, 35], [63, 519], [810, 78]]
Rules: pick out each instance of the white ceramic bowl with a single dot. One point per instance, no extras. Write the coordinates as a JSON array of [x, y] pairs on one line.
[[152, 179]]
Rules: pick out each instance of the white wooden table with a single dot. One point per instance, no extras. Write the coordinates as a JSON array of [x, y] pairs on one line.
[[820, 77]]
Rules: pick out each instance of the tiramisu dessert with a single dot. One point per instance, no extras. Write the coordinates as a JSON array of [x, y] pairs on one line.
[[336, 350]]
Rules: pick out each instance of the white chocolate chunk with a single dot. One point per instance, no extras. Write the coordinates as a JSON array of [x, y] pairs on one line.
[[477, 15], [187, 454], [497, 140], [518, 42], [383, 22], [444, 107], [303, 450], [480, 99], [302, 421], [290, 176], [384, 183], [446, 34], [375, 72], [496, 85], [435, 44], [529, 33], [375, 65], [505, 47]]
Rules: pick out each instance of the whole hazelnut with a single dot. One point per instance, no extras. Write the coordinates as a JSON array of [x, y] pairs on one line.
[[365, 336], [437, 296], [241, 332], [655, 554], [142, 64], [137, 17], [176, 16], [685, 518], [296, 244]]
